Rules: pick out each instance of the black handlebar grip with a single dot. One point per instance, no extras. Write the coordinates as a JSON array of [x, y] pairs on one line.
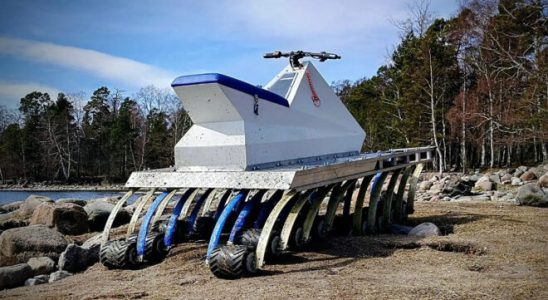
[[276, 54]]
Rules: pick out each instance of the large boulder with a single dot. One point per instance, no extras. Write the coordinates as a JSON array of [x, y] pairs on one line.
[[531, 194], [12, 206], [17, 245], [41, 265], [425, 230], [76, 258], [67, 218], [12, 220], [543, 181], [98, 213], [528, 176], [538, 171], [484, 184], [13, 276], [506, 179], [31, 203]]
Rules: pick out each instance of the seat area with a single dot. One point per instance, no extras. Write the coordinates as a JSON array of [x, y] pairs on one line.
[[230, 82]]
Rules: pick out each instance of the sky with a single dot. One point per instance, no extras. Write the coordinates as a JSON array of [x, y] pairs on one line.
[[78, 46]]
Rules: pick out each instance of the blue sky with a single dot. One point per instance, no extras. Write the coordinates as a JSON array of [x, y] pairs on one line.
[[75, 46]]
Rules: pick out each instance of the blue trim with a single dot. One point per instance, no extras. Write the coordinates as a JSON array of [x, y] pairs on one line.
[[172, 224], [142, 237], [230, 82], [229, 208], [266, 208], [194, 214], [244, 214]]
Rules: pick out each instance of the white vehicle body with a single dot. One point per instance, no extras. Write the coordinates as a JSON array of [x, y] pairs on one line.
[[238, 127]]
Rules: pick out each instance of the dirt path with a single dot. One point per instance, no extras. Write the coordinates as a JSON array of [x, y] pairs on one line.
[[490, 251]]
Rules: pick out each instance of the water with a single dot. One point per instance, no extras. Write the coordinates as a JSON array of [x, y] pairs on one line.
[[11, 196]]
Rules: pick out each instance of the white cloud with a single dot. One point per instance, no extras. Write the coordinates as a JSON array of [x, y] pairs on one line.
[[12, 92], [118, 69], [310, 22]]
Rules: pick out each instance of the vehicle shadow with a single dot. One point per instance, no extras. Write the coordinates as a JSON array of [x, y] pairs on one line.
[[345, 250]]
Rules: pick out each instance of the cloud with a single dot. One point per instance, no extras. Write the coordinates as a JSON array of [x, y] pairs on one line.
[[12, 92], [118, 69], [310, 22]]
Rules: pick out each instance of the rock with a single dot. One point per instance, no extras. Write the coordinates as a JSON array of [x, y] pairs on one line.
[[480, 198], [474, 177], [434, 178], [506, 179], [425, 185], [425, 230], [67, 218], [40, 279], [98, 212], [435, 198], [484, 184], [543, 181], [523, 168], [465, 178], [41, 265], [531, 194], [516, 181], [14, 276], [518, 173], [495, 178], [528, 176], [12, 206], [55, 276], [537, 171], [17, 245], [12, 220], [31, 203], [73, 201], [76, 258], [436, 188]]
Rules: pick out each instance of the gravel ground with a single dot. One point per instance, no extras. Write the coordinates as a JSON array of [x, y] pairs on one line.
[[489, 250]]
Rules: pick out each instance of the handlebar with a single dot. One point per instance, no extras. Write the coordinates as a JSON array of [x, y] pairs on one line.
[[294, 56]]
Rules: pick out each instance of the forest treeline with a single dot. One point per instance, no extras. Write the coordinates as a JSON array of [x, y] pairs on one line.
[[103, 139], [475, 86]]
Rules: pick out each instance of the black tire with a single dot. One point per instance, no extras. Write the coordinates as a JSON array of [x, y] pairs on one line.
[[203, 227], [232, 262], [155, 249], [274, 245], [119, 254], [297, 239], [319, 228], [250, 238]]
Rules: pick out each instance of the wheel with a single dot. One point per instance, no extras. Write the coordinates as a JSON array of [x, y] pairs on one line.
[[275, 248], [119, 254], [203, 227], [298, 241], [155, 249], [232, 262], [319, 229], [250, 238]]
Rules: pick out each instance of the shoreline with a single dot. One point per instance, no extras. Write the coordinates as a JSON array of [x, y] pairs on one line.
[[68, 188]]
